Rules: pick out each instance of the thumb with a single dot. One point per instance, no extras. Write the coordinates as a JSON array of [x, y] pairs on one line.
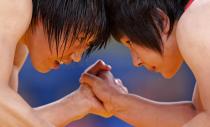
[[90, 80], [100, 110], [97, 67]]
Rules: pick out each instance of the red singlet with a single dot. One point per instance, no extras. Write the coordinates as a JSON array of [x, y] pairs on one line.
[[188, 4]]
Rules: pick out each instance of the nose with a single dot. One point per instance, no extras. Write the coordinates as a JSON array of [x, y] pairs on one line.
[[136, 60], [76, 57]]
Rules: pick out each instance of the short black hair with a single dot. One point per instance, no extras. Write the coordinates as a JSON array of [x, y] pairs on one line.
[[141, 21], [64, 18]]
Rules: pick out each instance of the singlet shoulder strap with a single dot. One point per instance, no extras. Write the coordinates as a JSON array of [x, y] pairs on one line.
[[188, 4]]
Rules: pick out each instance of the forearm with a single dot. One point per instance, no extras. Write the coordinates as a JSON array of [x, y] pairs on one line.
[[64, 111], [139, 111], [201, 120], [16, 112]]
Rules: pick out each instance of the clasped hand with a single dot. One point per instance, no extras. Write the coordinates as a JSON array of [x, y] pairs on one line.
[[104, 87]]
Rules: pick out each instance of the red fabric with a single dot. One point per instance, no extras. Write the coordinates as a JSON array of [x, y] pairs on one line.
[[189, 3]]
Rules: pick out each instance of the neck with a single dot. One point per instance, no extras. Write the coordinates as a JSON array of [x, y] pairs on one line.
[[25, 38], [172, 37]]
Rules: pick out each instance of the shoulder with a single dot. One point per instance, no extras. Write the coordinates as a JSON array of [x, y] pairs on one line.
[[193, 38], [195, 21], [193, 35], [15, 17]]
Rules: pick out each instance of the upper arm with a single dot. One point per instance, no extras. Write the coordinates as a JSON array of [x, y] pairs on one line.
[[201, 120], [15, 16], [19, 59], [196, 100], [16, 112], [193, 36]]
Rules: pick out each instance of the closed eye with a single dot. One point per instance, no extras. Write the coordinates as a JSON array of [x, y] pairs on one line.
[[80, 39], [128, 43]]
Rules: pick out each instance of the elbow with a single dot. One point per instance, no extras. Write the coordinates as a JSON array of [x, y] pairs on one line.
[[200, 120]]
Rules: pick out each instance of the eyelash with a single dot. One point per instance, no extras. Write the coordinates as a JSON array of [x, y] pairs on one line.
[[80, 39], [90, 43], [129, 43]]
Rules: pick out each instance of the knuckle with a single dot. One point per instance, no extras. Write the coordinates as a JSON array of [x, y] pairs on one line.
[[100, 62], [90, 68], [82, 75], [118, 80]]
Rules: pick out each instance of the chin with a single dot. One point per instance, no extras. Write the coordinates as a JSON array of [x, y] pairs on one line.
[[170, 74], [42, 70]]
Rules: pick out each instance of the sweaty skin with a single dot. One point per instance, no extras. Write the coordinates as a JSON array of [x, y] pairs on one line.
[[193, 41], [15, 17]]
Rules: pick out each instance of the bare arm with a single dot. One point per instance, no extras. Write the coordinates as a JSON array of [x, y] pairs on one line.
[[134, 109], [14, 18], [194, 42], [61, 112], [69, 108], [21, 53], [139, 111], [72, 107], [16, 112]]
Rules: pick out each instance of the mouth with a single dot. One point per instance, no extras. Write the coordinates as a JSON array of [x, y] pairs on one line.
[[56, 65], [153, 69], [69, 62]]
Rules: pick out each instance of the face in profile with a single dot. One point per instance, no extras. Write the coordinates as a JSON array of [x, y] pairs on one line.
[[148, 29], [166, 64], [44, 59]]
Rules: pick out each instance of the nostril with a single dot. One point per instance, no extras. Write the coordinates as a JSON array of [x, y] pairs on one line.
[[76, 57], [140, 64]]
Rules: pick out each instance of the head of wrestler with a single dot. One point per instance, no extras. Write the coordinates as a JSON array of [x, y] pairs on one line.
[[148, 29], [61, 32]]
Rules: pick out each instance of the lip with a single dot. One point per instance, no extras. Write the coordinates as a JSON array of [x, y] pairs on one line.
[[68, 62], [153, 69], [55, 65]]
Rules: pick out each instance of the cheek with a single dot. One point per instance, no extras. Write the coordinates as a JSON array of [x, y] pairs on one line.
[[40, 55], [75, 49], [80, 49], [151, 58], [154, 62], [39, 58]]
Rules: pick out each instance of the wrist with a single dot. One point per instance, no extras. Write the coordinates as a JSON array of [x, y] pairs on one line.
[[119, 103], [78, 101]]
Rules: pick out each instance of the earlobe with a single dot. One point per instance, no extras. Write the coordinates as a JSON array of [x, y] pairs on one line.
[[165, 21], [166, 24]]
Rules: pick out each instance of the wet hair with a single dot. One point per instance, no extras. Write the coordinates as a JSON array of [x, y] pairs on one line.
[[141, 21], [64, 20]]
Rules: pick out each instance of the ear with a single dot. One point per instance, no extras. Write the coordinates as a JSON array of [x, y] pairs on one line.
[[165, 21]]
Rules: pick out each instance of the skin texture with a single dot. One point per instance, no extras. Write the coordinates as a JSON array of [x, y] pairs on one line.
[[16, 41], [188, 42]]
